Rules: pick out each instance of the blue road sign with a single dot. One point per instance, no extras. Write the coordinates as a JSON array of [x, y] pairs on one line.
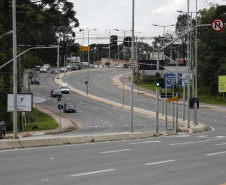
[[171, 78]]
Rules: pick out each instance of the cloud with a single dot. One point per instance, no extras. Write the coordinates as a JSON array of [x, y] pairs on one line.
[[169, 7]]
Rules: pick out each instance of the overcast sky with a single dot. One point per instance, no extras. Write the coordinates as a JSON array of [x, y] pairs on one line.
[[117, 14]]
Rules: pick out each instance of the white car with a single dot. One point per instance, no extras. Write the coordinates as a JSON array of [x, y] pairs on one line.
[[64, 88], [118, 66], [43, 70], [63, 69], [47, 66]]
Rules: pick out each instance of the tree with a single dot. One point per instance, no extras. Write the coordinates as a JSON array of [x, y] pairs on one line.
[[35, 26], [211, 51]]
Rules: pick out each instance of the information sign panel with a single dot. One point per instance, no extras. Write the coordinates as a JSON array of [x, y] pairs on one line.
[[221, 83], [132, 64], [171, 79], [84, 48]]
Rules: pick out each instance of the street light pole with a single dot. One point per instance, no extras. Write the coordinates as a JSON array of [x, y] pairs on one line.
[[188, 64], [7, 33], [14, 72], [132, 57]]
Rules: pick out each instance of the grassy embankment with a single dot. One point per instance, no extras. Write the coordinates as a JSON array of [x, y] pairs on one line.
[[217, 100]]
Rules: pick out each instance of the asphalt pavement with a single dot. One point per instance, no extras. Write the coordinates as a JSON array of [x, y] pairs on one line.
[[41, 138]]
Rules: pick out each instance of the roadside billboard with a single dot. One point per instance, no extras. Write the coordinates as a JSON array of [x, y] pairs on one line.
[[24, 102], [221, 83]]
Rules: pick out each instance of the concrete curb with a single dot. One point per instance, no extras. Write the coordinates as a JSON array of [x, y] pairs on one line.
[[40, 142], [9, 144]]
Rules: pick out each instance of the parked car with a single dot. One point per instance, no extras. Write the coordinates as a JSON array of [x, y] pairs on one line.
[[43, 70], [69, 107], [63, 69], [64, 88], [2, 129], [37, 68], [35, 80], [55, 93], [54, 71], [75, 67], [47, 66]]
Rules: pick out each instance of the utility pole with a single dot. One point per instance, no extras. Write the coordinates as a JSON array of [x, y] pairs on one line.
[[132, 57], [14, 71], [188, 64]]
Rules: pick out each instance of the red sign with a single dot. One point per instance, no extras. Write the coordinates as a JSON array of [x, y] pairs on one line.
[[217, 24]]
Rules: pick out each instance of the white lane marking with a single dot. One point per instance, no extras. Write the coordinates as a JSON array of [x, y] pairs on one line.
[[194, 142], [145, 142], [114, 151], [220, 144], [109, 112], [90, 173], [216, 153], [160, 162]]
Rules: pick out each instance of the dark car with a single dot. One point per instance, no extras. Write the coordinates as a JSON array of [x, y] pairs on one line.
[[75, 67], [69, 107], [56, 93], [54, 71], [35, 80], [2, 129]]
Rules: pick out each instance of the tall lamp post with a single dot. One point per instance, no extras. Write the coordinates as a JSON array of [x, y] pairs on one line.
[[14, 72], [195, 81], [123, 101], [87, 79], [132, 57]]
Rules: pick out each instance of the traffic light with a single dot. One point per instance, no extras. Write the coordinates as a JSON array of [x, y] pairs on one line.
[[176, 87], [127, 41], [159, 81], [63, 48], [113, 43]]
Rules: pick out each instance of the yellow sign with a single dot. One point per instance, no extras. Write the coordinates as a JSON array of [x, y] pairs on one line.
[[174, 98], [84, 48], [221, 83]]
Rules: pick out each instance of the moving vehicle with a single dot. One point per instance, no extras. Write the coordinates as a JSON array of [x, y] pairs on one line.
[[54, 71], [55, 93], [69, 107], [43, 70], [64, 88], [47, 66], [63, 69], [2, 129], [118, 66], [75, 67], [35, 80], [37, 68]]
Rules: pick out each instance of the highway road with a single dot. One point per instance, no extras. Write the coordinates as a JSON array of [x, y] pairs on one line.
[[182, 159], [98, 118], [93, 117]]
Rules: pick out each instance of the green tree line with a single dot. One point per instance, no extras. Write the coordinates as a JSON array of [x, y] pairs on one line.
[[37, 24]]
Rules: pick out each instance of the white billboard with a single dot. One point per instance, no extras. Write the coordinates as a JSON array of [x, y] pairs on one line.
[[24, 102]]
